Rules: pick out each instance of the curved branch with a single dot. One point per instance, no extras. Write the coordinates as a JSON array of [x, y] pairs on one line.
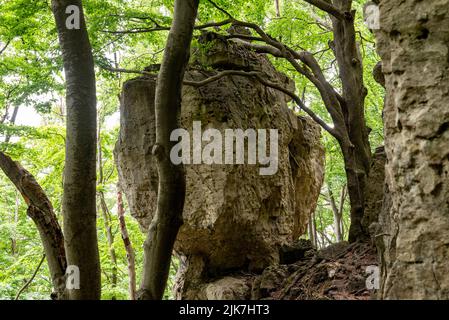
[[31, 279], [41, 212], [258, 76], [327, 7], [166, 28]]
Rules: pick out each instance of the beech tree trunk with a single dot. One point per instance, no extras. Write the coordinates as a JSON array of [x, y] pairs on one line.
[[356, 150], [79, 199], [338, 213], [40, 210], [164, 228], [106, 214], [415, 238], [128, 246]]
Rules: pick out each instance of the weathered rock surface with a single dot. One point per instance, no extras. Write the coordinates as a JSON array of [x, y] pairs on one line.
[[374, 191], [234, 218], [414, 49]]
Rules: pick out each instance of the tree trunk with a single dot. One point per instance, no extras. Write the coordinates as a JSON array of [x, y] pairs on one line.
[[128, 246], [41, 212], [106, 215], [278, 8], [312, 231], [16, 222], [414, 52], [171, 189], [337, 215], [12, 121], [79, 203], [356, 151], [341, 210]]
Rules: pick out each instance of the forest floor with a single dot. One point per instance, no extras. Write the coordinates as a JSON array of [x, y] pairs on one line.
[[338, 272]]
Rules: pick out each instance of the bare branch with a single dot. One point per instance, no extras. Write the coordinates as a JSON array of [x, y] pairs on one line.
[[221, 9], [270, 84], [166, 28], [31, 279], [5, 46], [120, 70], [327, 7]]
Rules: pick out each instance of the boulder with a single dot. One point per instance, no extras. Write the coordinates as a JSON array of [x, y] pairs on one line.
[[234, 218]]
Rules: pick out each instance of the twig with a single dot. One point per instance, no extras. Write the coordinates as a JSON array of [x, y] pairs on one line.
[[31, 279], [5, 46]]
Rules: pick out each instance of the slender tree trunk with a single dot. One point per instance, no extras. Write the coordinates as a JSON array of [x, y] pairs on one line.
[[41, 212], [106, 214], [312, 231], [356, 151], [341, 210], [128, 246], [12, 121], [16, 222], [337, 216], [171, 190], [278, 8], [79, 200]]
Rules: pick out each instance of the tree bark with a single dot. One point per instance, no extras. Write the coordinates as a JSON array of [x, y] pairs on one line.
[[128, 246], [356, 150], [278, 8], [171, 189], [79, 200], [337, 216], [40, 210], [12, 121], [312, 231]]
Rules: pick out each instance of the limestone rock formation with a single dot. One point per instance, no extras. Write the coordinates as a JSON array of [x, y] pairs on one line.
[[234, 218], [374, 191], [414, 49]]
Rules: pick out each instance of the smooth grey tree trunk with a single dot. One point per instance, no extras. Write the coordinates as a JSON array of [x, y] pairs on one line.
[[79, 203], [164, 228]]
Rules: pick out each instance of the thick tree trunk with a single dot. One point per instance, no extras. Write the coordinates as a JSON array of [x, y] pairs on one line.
[[79, 203], [356, 151], [128, 246], [171, 190], [41, 212], [414, 51]]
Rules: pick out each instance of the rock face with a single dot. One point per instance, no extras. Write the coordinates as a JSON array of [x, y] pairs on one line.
[[374, 191], [234, 218], [414, 49]]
